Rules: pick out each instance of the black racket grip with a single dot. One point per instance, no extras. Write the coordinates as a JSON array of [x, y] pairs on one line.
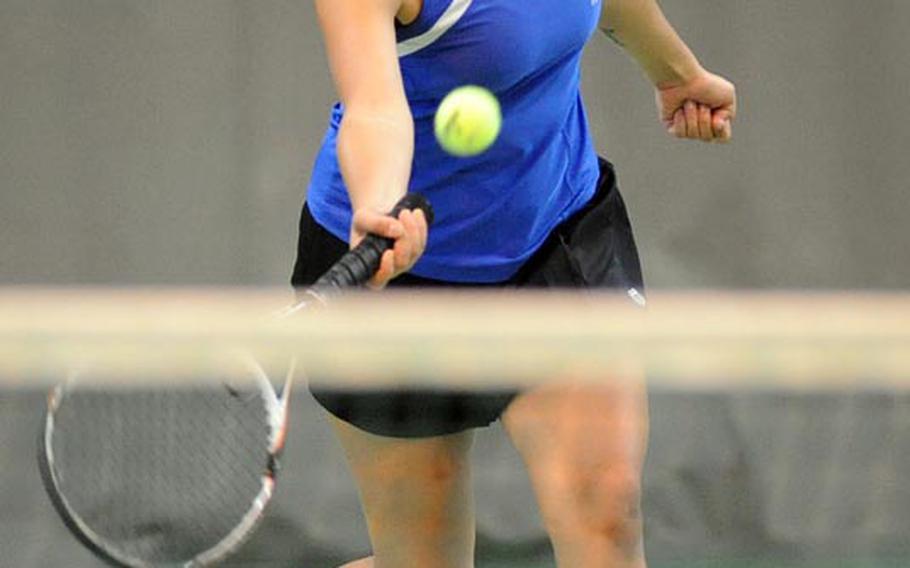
[[359, 264]]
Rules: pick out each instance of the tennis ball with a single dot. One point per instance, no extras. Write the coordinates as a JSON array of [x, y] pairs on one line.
[[468, 121]]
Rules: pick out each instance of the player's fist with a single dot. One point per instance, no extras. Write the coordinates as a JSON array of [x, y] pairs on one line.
[[409, 231], [702, 108]]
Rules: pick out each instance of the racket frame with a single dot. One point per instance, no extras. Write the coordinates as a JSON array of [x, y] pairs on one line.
[[276, 405], [353, 269]]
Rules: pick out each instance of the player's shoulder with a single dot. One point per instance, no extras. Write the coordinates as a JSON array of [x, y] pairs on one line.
[[349, 12]]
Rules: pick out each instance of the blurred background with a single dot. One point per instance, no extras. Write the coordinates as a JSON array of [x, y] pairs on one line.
[[158, 142]]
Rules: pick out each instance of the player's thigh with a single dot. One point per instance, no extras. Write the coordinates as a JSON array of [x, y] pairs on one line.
[[417, 484], [582, 443], [596, 420]]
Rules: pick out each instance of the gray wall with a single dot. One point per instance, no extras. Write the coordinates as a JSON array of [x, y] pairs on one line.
[[162, 141], [169, 141]]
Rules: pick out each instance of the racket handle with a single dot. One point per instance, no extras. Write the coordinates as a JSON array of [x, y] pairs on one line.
[[359, 264]]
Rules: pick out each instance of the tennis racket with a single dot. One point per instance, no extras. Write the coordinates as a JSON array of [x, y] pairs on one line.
[[179, 477]]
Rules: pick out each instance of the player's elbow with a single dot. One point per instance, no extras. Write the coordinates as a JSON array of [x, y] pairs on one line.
[[382, 113]]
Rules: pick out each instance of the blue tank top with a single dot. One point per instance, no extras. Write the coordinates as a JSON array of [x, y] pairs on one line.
[[494, 210]]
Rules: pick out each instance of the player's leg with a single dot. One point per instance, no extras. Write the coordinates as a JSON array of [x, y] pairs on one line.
[[584, 447], [417, 497]]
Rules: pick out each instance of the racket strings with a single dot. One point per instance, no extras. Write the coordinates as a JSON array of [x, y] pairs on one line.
[[161, 475]]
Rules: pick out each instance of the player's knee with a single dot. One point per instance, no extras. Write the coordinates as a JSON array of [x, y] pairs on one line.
[[604, 502], [610, 500]]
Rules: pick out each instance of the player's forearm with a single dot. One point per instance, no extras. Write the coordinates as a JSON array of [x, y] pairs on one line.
[[375, 150], [640, 27]]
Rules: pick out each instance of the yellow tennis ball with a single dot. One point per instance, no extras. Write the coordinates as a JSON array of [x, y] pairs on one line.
[[468, 121]]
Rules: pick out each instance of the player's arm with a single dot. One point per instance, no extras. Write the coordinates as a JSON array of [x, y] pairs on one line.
[[693, 102], [376, 138]]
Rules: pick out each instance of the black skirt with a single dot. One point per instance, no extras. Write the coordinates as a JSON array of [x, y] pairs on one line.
[[592, 249]]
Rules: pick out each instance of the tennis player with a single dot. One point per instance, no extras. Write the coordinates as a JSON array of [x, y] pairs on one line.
[[538, 209]]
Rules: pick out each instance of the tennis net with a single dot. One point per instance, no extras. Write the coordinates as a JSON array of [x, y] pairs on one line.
[[790, 341]]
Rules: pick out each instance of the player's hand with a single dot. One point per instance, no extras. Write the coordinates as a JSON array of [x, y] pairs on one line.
[[409, 232], [702, 108]]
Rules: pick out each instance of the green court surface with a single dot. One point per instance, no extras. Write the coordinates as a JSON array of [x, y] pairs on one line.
[[539, 555], [733, 563], [719, 563]]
